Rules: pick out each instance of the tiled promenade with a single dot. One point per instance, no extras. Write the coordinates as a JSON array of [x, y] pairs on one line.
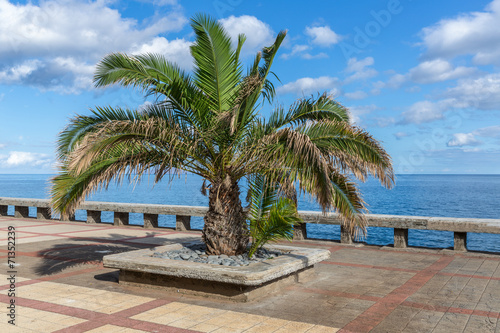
[[61, 286]]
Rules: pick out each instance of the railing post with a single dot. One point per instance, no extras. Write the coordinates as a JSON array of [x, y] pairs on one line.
[[300, 231], [345, 235], [150, 221], [21, 211], [3, 210], [43, 213], [93, 216], [460, 241], [120, 219], [400, 238], [182, 223]]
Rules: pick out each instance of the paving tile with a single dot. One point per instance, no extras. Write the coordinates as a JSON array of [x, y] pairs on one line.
[[423, 321], [262, 328], [322, 329], [451, 322], [227, 330], [394, 259], [481, 324], [107, 329], [490, 298], [397, 320], [297, 327], [204, 327]]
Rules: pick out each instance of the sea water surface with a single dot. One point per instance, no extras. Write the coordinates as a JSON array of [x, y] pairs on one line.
[[474, 196]]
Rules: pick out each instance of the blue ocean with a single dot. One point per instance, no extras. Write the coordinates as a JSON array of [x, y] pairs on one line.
[[474, 196]]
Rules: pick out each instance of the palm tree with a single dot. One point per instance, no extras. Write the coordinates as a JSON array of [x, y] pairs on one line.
[[207, 123]]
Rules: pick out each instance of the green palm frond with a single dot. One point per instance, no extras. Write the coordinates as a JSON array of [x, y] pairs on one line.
[[271, 217], [80, 126], [306, 110], [217, 70]]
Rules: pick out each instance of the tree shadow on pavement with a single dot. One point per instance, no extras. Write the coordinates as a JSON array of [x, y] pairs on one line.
[[61, 257]]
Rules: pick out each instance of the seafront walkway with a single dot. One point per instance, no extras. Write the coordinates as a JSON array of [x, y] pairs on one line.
[[60, 285]]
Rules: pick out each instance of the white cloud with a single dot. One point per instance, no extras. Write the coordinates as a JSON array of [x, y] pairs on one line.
[[481, 93], [423, 112], [309, 56], [323, 36], [474, 33], [438, 70], [54, 45], [463, 139], [296, 50], [307, 85], [355, 65], [400, 135], [355, 95], [356, 113], [469, 139], [21, 158], [19, 71], [490, 131], [176, 50], [3, 145], [396, 81], [300, 51], [426, 72], [360, 69], [258, 33]]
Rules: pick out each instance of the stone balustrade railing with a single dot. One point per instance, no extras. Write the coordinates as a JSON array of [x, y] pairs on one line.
[[459, 226]]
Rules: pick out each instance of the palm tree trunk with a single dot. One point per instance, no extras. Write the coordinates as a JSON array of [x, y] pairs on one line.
[[225, 230]]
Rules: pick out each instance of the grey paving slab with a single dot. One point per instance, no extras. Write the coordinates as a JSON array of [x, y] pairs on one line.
[[451, 322], [470, 294], [490, 298], [397, 320], [430, 289], [478, 324], [401, 260], [423, 321]]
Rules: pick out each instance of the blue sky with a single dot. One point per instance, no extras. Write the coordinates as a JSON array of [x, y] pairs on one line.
[[421, 76]]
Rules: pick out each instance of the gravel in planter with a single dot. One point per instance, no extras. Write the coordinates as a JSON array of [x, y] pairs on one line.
[[196, 253]]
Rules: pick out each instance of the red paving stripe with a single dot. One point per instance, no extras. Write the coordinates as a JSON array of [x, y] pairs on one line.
[[82, 327], [377, 312], [336, 293], [480, 313], [142, 308], [335, 248], [370, 266]]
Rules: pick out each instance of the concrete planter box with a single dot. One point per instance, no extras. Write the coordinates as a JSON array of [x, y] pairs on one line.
[[240, 284]]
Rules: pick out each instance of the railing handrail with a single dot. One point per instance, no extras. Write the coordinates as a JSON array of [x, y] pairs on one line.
[[400, 223], [375, 220]]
